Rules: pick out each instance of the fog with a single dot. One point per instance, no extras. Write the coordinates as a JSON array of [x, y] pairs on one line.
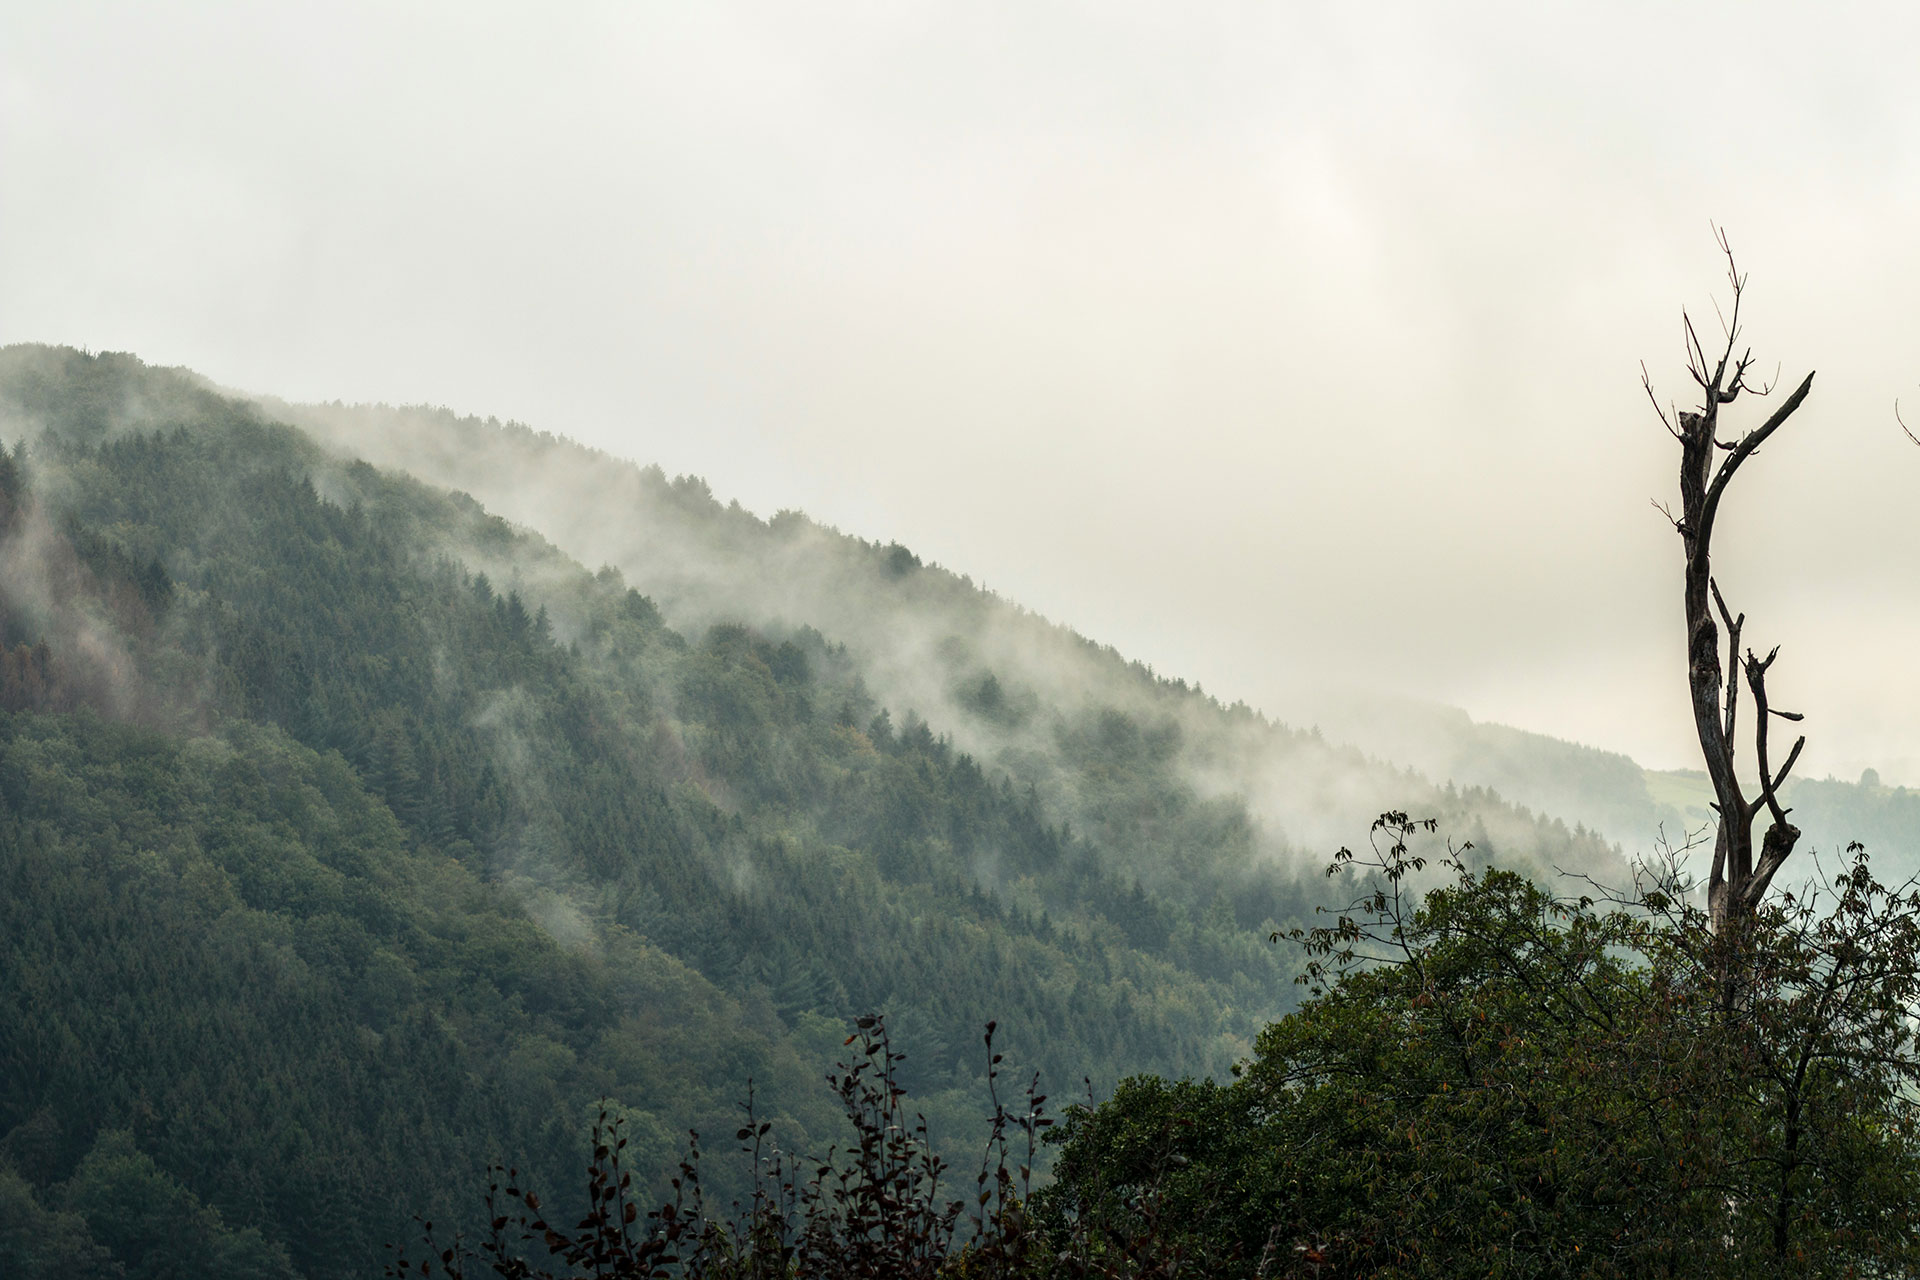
[[1029, 699], [1287, 351]]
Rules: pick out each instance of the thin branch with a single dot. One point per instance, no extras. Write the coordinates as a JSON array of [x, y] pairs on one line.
[[1734, 277], [1646, 381], [1896, 415], [1697, 357], [1739, 283], [1756, 670], [1786, 769], [1739, 382], [1733, 647]]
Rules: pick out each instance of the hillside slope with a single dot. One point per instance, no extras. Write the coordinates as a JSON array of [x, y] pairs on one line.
[[1006, 685], [353, 836]]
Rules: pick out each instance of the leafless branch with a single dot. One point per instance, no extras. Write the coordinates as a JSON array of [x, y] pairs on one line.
[[1696, 355], [1739, 381], [1646, 381], [1769, 797], [1738, 281], [1733, 625]]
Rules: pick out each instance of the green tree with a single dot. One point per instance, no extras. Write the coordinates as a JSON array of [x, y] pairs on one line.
[[1491, 1080], [157, 1228], [37, 1243]]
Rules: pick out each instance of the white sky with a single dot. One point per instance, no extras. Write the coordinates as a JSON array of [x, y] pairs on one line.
[[1281, 345]]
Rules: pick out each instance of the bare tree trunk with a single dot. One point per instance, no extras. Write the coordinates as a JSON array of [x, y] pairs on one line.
[[1737, 881]]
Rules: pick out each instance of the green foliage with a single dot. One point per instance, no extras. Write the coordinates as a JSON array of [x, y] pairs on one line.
[[158, 1226], [38, 1243], [1179, 1164], [1493, 1081]]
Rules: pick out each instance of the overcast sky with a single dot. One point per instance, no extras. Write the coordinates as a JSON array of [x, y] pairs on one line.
[[1278, 344]]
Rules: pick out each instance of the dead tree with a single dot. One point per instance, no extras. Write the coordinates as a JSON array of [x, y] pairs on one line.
[[1707, 466]]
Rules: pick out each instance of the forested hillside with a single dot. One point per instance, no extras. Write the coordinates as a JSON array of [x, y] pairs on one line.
[[1008, 686], [353, 836], [930, 639]]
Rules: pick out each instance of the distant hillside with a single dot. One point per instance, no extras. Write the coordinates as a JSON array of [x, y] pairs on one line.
[[1607, 792], [1832, 814], [1601, 790]]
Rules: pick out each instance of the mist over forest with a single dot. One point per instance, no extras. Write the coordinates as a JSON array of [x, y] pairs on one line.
[[474, 781], [554, 829], [924, 641], [950, 642]]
